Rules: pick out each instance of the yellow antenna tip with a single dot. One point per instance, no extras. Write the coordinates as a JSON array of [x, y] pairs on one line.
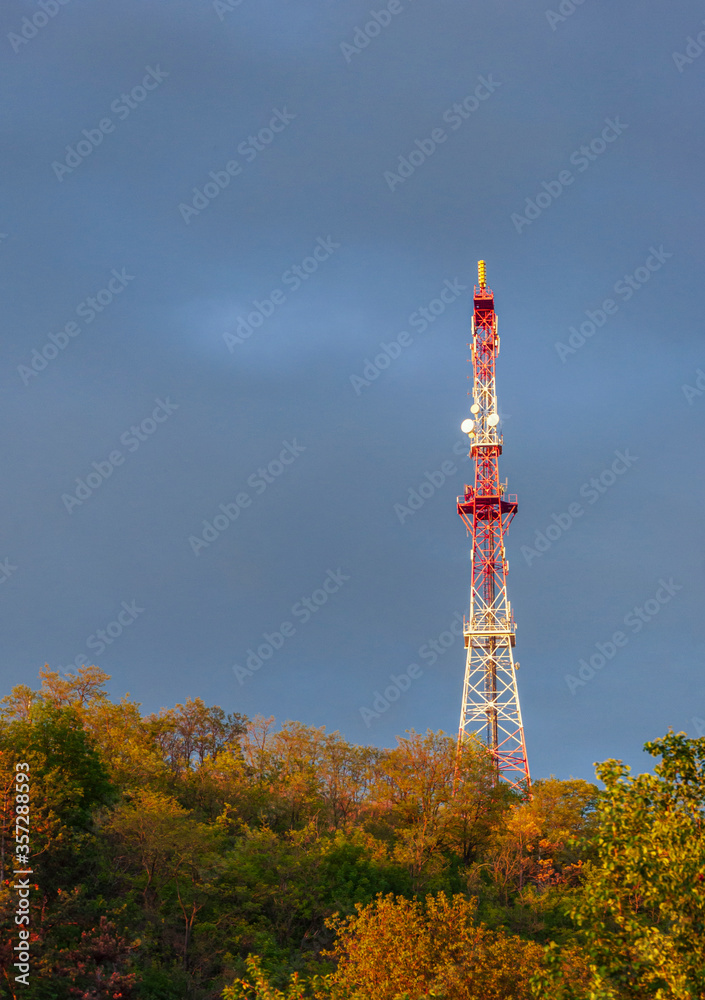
[[481, 274]]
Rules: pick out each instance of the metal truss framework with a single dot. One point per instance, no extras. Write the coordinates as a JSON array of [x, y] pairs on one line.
[[490, 709]]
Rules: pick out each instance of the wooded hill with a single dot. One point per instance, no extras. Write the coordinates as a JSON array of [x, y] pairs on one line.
[[198, 854]]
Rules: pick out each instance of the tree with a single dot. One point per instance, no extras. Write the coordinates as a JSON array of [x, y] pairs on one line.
[[536, 844], [400, 948], [18, 704], [171, 856], [299, 773], [192, 733], [641, 914], [345, 775], [7, 815], [68, 782], [510, 862], [77, 690], [98, 967], [258, 986], [413, 795], [68, 777], [126, 743], [479, 802]]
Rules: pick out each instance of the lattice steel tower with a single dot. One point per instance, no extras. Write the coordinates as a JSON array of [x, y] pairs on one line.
[[490, 698]]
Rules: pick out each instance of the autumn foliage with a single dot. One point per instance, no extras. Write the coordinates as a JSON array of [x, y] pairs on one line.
[[195, 853]]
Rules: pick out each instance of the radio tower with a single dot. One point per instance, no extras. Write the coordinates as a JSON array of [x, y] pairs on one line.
[[490, 709]]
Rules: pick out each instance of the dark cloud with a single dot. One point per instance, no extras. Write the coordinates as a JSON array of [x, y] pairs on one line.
[[322, 178]]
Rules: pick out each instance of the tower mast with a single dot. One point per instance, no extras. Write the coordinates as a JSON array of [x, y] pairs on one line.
[[490, 709]]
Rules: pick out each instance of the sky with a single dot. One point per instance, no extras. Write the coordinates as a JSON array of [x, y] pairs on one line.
[[224, 233]]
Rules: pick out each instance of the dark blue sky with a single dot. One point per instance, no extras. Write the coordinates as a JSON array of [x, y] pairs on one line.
[[176, 174]]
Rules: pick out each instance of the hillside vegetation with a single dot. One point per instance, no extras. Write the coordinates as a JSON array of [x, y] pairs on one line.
[[198, 854]]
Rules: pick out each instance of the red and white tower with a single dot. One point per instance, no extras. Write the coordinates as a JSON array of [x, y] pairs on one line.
[[490, 709]]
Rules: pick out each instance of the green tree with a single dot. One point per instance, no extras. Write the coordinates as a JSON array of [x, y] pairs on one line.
[[258, 987], [641, 913], [67, 775], [68, 782], [170, 857]]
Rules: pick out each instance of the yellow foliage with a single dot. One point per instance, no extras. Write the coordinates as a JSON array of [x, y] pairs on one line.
[[401, 949]]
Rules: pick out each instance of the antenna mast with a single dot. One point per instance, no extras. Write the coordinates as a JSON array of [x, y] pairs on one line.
[[490, 709]]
